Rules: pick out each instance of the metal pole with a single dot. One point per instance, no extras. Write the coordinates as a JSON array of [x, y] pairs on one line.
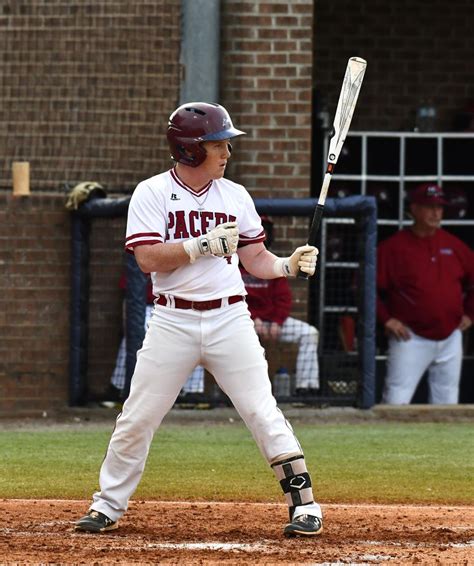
[[200, 47]]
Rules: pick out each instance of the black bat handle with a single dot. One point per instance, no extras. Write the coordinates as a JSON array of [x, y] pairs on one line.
[[313, 233]]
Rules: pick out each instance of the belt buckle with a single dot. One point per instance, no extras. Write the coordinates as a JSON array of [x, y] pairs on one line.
[[203, 305]]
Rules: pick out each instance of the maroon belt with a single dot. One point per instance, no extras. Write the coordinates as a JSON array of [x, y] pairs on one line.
[[197, 305]]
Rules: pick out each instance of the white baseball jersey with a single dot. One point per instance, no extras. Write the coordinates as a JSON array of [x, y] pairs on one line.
[[164, 209]]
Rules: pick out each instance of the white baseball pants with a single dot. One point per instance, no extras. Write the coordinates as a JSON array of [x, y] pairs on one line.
[[224, 340], [408, 360]]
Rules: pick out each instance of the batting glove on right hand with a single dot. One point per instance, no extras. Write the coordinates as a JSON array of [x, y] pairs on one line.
[[221, 241], [304, 258]]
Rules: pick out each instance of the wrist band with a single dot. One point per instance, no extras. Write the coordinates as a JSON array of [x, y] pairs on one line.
[[281, 267]]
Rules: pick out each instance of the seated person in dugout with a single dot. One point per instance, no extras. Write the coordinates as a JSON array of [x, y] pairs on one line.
[[270, 302]]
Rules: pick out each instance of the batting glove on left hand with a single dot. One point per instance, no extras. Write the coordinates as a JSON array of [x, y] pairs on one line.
[[221, 241], [304, 258]]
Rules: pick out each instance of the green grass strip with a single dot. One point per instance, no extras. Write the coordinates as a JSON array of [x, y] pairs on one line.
[[385, 463]]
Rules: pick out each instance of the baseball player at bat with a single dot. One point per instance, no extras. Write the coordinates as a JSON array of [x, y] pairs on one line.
[[189, 227]]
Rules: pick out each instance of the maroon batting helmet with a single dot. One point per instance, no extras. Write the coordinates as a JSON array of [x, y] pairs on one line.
[[196, 122]]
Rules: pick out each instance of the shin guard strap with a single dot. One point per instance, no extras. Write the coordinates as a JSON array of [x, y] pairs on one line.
[[294, 480]]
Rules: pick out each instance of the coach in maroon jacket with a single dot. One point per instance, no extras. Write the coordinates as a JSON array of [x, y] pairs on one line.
[[425, 281]]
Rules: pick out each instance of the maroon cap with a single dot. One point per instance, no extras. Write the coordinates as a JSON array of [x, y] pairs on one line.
[[429, 193]]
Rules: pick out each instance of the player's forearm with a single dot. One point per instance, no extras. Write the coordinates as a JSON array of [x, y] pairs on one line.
[[260, 265], [161, 257]]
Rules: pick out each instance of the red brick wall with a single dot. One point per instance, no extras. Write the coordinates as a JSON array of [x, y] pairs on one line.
[[34, 302], [87, 88], [415, 50], [86, 91], [266, 70]]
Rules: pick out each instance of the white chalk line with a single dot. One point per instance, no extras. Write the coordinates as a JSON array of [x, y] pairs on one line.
[[466, 544], [116, 541], [226, 546]]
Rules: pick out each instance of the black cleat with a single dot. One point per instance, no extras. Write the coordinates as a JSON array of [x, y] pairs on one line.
[[95, 522], [304, 525]]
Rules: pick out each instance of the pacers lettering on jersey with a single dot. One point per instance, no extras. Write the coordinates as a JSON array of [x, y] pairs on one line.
[[183, 225]]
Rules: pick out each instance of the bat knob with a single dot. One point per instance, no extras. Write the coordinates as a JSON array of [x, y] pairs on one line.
[[302, 275]]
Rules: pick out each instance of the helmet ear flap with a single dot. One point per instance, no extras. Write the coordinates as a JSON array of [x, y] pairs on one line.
[[185, 155], [190, 154]]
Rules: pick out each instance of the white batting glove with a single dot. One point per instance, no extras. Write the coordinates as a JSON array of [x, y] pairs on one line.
[[221, 241], [304, 258]]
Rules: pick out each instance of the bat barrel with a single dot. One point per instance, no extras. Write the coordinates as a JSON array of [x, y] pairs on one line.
[[351, 86]]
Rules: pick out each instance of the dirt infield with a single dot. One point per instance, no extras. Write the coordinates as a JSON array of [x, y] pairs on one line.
[[151, 532]]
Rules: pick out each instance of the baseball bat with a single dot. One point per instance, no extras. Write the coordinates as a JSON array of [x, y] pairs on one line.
[[351, 86]]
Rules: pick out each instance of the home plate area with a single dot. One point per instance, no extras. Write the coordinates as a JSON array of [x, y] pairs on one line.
[[42, 531]]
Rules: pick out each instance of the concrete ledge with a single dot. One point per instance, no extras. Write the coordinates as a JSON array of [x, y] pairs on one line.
[[431, 413], [307, 415], [201, 414]]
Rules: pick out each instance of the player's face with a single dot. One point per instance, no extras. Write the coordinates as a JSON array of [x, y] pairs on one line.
[[217, 155], [427, 216]]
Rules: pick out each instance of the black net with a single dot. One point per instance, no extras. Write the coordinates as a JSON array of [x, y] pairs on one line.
[[340, 307]]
